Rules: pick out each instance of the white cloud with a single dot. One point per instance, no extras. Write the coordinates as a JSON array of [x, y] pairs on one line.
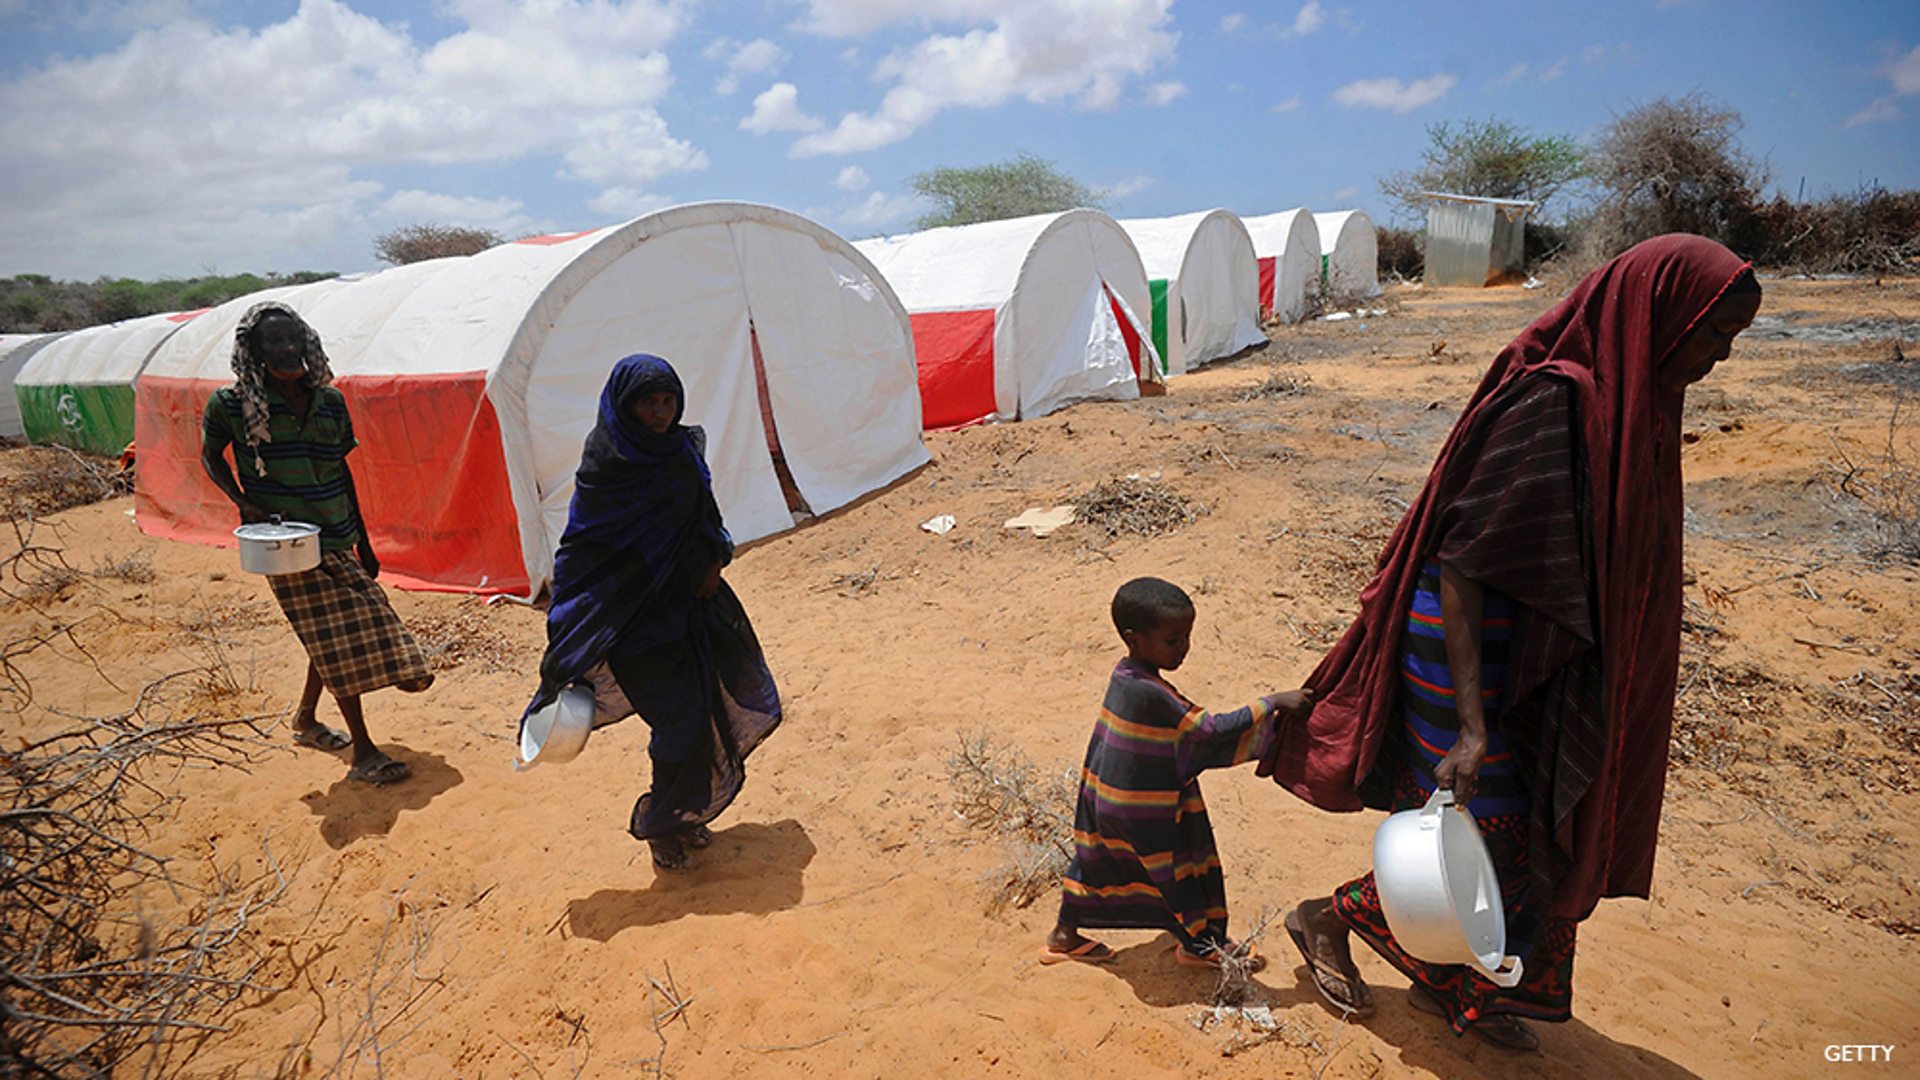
[[1311, 17], [1286, 106], [1347, 192], [880, 210], [1132, 185], [778, 109], [756, 57], [1164, 93], [1905, 72], [1557, 69], [1233, 23], [1394, 95], [1879, 112], [1513, 74], [505, 215], [852, 178], [627, 202], [191, 144], [1043, 51]]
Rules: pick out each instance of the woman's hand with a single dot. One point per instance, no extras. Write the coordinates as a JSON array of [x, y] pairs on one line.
[[1459, 771], [250, 514], [709, 585]]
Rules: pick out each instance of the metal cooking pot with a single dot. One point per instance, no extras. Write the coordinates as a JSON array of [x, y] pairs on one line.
[[1439, 891], [558, 731], [278, 547]]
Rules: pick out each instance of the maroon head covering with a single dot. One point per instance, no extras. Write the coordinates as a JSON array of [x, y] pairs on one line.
[[1606, 340]]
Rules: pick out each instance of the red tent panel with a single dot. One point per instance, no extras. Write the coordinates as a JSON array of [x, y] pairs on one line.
[[954, 351], [429, 469], [1266, 287]]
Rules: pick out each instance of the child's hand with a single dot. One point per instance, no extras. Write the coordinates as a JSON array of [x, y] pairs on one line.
[[1294, 703]]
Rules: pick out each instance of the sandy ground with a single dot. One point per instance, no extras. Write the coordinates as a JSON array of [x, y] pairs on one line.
[[495, 924]]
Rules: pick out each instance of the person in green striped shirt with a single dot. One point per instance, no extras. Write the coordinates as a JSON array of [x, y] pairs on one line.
[[290, 432]]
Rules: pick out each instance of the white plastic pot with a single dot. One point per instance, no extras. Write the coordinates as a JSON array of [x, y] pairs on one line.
[[278, 547], [557, 732], [1439, 891]]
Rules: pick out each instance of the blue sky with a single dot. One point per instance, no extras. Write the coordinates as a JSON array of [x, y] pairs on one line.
[[150, 138]]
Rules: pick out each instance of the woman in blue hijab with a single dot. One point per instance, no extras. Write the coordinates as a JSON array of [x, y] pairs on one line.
[[637, 585]]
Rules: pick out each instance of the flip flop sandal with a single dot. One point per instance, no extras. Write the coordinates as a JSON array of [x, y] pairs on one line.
[[1255, 962], [664, 862], [1505, 1032], [321, 737], [390, 771], [1335, 987], [1087, 952]]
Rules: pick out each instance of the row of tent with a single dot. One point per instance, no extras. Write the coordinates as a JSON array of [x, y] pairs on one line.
[[813, 363]]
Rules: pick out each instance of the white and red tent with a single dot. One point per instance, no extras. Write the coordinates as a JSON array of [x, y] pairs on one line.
[[473, 381], [1288, 247], [1352, 253], [1020, 317], [1209, 306]]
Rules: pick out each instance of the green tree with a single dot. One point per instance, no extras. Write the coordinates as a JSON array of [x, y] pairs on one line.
[[1008, 189], [418, 243], [1675, 165], [1490, 158]]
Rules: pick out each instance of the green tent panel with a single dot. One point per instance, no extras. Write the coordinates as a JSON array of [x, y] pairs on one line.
[[1158, 288], [97, 418]]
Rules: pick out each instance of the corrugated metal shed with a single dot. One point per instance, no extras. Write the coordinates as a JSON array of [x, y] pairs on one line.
[[1473, 240]]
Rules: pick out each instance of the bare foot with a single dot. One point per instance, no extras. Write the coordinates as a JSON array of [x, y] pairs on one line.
[[698, 837]]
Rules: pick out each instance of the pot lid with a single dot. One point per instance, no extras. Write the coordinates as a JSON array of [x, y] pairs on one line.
[[276, 530]]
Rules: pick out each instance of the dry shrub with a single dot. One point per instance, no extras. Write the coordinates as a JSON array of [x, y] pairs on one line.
[[92, 980], [1277, 384], [1137, 506], [49, 479], [1886, 481], [135, 568], [1873, 231], [1000, 791], [1673, 165], [1402, 254]]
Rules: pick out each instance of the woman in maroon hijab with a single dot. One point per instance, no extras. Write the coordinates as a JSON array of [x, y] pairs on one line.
[[1536, 580]]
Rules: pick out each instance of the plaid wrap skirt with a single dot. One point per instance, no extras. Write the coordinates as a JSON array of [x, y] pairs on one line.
[[349, 629]]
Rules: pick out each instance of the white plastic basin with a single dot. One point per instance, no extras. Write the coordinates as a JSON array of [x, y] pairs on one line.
[[1439, 891], [557, 732]]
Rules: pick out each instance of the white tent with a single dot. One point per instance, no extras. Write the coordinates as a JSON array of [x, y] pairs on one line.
[[473, 382], [1020, 317], [77, 390], [1205, 284], [15, 351], [1352, 253], [1288, 246]]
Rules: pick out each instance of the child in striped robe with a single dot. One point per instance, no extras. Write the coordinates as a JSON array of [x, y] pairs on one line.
[[1144, 856]]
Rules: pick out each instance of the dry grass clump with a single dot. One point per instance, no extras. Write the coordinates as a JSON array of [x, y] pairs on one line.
[[1135, 505], [49, 479], [1277, 384], [1000, 791], [1886, 481], [464, 636]]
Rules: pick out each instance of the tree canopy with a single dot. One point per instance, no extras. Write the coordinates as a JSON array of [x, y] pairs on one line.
[[1490, 158], [418, 243], [1675, 165], [1008, 189]]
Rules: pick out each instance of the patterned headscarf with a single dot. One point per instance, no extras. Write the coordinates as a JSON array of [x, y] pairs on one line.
[[250, 371]]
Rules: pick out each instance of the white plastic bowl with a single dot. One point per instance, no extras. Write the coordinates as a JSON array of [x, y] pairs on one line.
[[1439, 891], [557, 732]]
